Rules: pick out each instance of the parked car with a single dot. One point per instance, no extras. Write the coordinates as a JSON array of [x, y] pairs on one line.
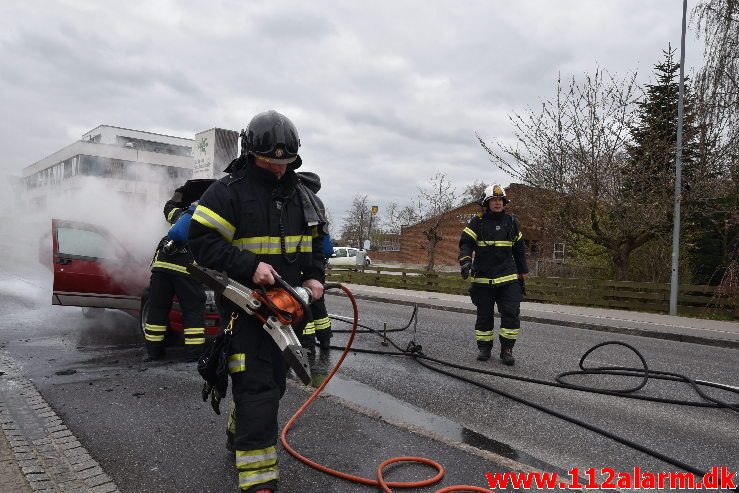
[[93, 270], [347, 256]]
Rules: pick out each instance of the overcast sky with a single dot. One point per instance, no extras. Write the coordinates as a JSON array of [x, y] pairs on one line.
[[384, 94]]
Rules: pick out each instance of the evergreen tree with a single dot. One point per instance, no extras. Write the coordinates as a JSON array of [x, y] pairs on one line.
[[649, 177]]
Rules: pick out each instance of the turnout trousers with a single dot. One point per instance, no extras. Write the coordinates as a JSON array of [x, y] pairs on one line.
[[321, 323], [191, 296], [508, 298], [258, 378]]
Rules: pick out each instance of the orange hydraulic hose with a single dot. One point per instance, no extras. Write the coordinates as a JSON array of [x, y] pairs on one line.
[[380, 481]]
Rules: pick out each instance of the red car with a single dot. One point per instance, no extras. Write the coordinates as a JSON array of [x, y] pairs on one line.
[[93, 270]]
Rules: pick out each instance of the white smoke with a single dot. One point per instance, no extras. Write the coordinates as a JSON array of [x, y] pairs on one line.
[[120, 208]]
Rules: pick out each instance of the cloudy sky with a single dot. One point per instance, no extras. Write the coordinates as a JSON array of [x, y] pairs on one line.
[[384, 94]]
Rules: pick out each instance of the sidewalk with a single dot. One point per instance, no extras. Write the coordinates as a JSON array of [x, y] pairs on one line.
[[685, 329], [37, 451]]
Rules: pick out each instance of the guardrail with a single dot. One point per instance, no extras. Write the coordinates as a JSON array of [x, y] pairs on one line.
[[696, 300]]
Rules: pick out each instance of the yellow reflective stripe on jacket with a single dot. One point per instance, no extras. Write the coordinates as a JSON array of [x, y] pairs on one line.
[[271, 245], [471, 233], [497, 280], [500, 243], [167, 265], [237, 362], [518, 237], [465, 258], [171, 214], [210, 219]]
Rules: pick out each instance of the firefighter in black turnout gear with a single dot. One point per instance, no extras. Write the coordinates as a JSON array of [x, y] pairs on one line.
[[320, 327], [498, 269], [169, 276], [255, 223]]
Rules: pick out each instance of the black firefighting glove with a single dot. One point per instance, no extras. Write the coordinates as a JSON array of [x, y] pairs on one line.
[[465, 269], [215, 397]]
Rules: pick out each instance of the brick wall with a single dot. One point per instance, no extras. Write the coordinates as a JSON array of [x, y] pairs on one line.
[[412, 241]]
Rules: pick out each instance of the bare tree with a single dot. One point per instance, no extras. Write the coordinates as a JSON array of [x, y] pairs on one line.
[[574, 147], [717, 83], [472, 193], [397, 217], [717, 100], [331, 226], [356, 223], [431, 203]]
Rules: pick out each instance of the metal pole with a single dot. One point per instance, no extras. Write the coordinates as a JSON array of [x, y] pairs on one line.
[[678, 171]]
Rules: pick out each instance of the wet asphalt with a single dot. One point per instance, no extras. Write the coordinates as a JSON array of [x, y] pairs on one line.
[[146, 426], [148, 429]]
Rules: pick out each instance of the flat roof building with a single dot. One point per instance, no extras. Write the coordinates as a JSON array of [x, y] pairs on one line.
[[145, 165]]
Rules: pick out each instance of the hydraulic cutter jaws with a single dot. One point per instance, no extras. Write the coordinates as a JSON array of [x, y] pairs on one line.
[[276, 308]]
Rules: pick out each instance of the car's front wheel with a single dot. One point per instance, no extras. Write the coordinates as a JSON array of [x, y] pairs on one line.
[[143, 316]]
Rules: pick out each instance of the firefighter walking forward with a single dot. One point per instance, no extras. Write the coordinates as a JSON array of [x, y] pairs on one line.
[[254, 224], [491, 249], [169, 276]]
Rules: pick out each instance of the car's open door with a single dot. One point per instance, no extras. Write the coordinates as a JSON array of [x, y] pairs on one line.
[[93, 269]]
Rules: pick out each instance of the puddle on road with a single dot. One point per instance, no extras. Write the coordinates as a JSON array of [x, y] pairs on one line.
[[397, 410]]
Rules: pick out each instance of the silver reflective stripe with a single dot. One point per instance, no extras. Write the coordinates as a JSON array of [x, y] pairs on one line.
[[210, 219], [248, 478], [243, 460]]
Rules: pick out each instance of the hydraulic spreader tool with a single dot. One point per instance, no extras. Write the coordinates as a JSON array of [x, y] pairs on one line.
[[277, 308]]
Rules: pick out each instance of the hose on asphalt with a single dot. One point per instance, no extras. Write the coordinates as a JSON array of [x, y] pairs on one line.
[[380, 480], [415, 351], [560, 380]]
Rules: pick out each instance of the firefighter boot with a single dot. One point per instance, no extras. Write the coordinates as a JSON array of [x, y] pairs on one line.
[[324, 343], [193, 353], [154, 352], [506, 355], [484, 353]]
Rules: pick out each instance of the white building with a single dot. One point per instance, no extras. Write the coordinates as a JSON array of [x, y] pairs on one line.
[[143, 165]]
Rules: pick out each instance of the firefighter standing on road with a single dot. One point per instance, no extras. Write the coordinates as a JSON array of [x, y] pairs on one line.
[[321, 323], [319, 328], [169, 276], [495, 239], [253, 224]]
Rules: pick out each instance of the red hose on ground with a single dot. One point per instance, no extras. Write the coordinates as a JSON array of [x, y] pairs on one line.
[[380, 481]]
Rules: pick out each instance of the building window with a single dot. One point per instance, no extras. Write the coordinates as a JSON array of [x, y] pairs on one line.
[[532, 247], [559, 251]]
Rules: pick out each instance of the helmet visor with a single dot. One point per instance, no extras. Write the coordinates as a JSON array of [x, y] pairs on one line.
[[265, 136]]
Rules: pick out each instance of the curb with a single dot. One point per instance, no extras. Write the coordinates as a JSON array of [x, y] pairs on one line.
[[47, 452], [616, 329]]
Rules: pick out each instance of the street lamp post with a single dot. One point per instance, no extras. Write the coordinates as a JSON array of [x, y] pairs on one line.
[[678, 171]]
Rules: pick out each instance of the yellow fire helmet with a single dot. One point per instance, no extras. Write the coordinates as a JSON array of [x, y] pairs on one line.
[[491, 191]]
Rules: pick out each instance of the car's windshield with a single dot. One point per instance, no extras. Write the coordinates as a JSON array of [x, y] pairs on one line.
[[83, 243]]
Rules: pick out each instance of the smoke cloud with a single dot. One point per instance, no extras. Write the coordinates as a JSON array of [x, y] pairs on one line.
[[134, 223]]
